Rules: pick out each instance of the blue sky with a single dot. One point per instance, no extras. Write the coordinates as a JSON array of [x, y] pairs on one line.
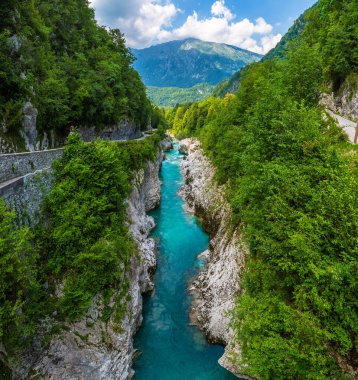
[[281, 12], [256, 25]]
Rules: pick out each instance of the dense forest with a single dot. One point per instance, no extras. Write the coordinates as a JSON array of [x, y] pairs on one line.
[[73, 71], [292, 179], [171, 96]]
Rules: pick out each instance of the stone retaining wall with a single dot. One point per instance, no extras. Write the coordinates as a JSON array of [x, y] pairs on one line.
[[20, 164], [25, 195]]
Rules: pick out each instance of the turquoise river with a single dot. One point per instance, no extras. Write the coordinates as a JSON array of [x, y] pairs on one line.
[[172, 349]]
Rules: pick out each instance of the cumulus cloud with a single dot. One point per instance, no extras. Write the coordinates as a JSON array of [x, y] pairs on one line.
[[144, 29], [219, 9], [146, 22]]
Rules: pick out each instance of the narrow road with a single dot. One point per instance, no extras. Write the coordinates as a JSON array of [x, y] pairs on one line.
[[348, 126], [11, 182]]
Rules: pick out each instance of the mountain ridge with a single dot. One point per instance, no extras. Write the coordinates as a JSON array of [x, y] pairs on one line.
[[188, 62]]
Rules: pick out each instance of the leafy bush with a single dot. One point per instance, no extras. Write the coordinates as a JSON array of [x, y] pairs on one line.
[[90, 247], [18, 280]]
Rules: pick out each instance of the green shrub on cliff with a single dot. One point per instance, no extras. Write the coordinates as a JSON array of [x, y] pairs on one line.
[[18, 280], [89, 245]]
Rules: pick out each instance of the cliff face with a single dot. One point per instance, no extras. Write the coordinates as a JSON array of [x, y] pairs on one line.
[[215, 288], [30, 139], [92, 348], [125, 130], [344, 104]]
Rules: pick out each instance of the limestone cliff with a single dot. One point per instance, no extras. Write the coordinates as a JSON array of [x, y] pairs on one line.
[[345, 103], [29, 138], [215, 288], [92, 348]]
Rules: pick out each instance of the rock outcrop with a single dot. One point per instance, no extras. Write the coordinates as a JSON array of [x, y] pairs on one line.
[[167, 144], [183, 147], [344, 104], [29, 126], [31, 139], [125, 130], [91, 348], [215, 288]]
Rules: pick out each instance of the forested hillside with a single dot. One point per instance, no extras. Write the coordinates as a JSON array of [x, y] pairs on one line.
[[171, 96], [336, 35], [53, 54], [292, 180], [231, 84], [293, 33]]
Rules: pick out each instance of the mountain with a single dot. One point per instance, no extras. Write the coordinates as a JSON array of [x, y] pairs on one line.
[[187, 63]]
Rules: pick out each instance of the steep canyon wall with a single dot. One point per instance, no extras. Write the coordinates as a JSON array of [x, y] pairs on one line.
[[89, 348], [216, 287]]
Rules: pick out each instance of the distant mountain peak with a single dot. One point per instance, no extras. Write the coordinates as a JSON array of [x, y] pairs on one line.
[[185, 63]]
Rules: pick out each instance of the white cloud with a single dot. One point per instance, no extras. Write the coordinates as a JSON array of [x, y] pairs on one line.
[[269, 42], [146, 22], [262, 27], [219, 9], [144, 29], [220, 29]]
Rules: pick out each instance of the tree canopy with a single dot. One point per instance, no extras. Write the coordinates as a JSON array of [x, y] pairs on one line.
[[75, 72]]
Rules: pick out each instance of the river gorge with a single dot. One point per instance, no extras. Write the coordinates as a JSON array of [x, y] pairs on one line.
[[170, 346]]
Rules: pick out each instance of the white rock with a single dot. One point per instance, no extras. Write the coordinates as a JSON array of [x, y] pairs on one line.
[[217, 286]]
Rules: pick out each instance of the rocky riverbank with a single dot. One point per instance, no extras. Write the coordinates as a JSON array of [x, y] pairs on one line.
[[215, 288]]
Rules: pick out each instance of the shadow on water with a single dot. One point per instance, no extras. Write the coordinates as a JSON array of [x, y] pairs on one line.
[[170, 348]]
